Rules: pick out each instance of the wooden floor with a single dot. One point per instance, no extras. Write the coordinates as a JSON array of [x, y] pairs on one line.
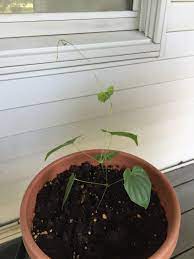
[[183, 181]]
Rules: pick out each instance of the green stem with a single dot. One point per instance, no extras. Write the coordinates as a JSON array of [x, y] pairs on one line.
[[94, 183], [58, 43], [106, 175], [102, 196], [65, 42], [102, 166], [110, 101], [109, 141], [106, 171], [84, 153], [116, 182]]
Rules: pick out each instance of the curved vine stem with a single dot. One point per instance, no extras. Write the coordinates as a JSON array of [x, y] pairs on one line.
[[109, 141], [94, 183], [65, 42], [105, 190], [84, 153], [120, 180]]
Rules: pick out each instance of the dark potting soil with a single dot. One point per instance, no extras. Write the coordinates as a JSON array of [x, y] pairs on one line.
[[115, 229]]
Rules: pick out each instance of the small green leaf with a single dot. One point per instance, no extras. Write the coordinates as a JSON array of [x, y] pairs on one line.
[[99, 158], [105, 156], [68, 188], [105, 95], [138, 186], [69, 142], [123, 134], [110, 155]]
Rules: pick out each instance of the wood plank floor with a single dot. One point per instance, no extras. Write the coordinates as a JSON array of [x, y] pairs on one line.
[[183, 181]]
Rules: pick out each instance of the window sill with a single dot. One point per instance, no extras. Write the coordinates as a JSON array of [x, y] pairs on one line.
[[40, 53]]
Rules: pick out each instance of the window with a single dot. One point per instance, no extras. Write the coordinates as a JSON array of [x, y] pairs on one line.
[[50, 6], [48, 17], [123, 30], [14, 6]]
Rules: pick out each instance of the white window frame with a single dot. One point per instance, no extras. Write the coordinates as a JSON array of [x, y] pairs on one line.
[[22, 25], [33, 24], [143, 26]]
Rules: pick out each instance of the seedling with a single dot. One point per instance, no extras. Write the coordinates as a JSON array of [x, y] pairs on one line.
[[135, 180]]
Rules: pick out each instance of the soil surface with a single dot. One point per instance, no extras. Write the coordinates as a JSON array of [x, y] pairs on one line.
[[83, 229]]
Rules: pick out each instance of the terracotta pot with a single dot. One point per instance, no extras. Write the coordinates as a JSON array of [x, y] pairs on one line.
[[160, 184]]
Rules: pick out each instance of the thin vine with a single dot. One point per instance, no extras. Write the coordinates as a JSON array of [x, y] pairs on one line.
[[132, 178]]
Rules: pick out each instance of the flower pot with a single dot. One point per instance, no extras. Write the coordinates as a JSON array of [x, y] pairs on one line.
[[159, 181]]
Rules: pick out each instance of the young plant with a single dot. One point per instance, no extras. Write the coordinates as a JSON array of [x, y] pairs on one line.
[[135, 180]]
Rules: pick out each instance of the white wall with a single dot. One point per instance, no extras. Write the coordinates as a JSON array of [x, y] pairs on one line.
[[155, 99]]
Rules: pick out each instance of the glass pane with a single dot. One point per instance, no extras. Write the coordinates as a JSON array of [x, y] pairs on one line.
[[16, 6], [52, 6]]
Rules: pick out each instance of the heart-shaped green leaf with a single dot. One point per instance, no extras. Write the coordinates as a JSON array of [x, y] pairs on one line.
[[69, 142], [105, 95], [68, 188], [138, 186], [101, 158], [123, 134]]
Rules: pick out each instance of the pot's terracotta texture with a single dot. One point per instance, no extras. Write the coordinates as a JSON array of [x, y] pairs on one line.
[[160, 184]]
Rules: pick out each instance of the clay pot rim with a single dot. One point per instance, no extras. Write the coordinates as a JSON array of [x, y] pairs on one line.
[[33, 247]]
